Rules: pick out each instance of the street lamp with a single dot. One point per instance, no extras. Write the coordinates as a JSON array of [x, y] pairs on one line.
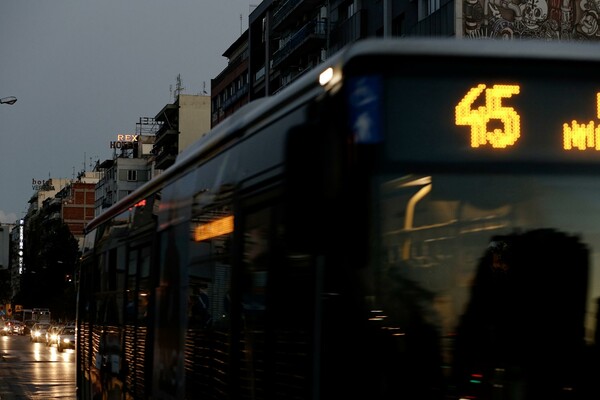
[[8, 100]]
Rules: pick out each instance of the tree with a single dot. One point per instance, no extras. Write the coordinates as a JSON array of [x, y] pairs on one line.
[[5, 289], [50, 256]]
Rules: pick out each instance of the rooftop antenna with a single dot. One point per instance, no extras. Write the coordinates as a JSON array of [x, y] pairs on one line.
[[178, 88], [241, 28], [204, 88]]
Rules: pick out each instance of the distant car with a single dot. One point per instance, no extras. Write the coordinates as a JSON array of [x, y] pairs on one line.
[[66, 338], [5, 328], [18, 328], [52, 334], [38, 332], [28, 324], [11, 327]]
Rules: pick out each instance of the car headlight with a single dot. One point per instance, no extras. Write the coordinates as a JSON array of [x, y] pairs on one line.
[[66, 340]]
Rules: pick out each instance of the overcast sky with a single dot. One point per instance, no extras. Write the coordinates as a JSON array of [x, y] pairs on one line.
[[84, 71]]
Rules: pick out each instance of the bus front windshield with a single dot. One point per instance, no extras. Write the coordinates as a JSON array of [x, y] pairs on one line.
[[489, 284]]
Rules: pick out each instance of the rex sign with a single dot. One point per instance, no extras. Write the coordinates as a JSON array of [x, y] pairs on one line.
[[124, 142]]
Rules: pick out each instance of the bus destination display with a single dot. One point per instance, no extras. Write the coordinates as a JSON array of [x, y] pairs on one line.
[[576, 135], [461, 119]]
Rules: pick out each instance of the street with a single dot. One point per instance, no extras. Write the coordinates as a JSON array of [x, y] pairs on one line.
[[35, 371]]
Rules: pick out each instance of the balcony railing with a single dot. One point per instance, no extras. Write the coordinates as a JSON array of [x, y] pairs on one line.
[[165, 158], [313, 28], [235, 97], [283, 11], [289, 10], [349, 31]]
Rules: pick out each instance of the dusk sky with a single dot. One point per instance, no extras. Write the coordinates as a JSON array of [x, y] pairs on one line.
[[84, 71]]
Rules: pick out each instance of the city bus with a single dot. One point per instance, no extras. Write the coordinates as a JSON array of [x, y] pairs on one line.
[[412, 219]]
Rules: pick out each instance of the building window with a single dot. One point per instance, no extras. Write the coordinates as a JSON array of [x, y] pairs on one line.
[[132, 175], [427, 7], [351, 9]]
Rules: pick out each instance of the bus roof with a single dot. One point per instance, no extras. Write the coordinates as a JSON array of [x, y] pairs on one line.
[[308, 87]]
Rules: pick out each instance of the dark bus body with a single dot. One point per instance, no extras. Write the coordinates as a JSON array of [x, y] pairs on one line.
[[413, 219]]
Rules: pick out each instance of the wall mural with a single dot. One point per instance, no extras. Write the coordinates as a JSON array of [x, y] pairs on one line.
[[532, 19]]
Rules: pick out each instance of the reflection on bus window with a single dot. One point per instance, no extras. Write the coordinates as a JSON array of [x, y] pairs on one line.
[[505, 334], [487, 282], [208, 313]]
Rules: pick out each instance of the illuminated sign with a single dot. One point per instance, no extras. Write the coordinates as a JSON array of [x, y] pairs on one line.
[[581, 136], [491, 115], [493, 109], [127, 138], [21, 245], [124, 141], [209, 230]]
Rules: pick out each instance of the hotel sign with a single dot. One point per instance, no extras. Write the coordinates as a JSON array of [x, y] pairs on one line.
[[124, 142], [42, 185]]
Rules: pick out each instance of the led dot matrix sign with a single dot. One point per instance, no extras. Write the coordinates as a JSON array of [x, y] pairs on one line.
[[577, 135], [492, 114], [478, 119]]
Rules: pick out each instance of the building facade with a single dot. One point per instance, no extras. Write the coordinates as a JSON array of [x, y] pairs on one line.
[[181, 123], [78, 205], [43, 190], [130, 167], [285, 38], [231, 86]]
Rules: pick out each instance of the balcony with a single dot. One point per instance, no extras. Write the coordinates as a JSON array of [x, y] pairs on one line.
[[167, 114], [288, 13], [165, 137], [233, 99], [307, 34], [165, 158], [54, 216], [349, 31]]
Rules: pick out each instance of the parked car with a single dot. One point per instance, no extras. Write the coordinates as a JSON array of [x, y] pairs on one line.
[[38, 332], [66, 338]]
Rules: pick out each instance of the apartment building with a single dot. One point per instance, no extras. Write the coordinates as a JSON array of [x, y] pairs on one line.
[[181, 123], [285, 38]]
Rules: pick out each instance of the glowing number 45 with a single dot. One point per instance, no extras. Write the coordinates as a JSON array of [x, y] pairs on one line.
[[493, 110]]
